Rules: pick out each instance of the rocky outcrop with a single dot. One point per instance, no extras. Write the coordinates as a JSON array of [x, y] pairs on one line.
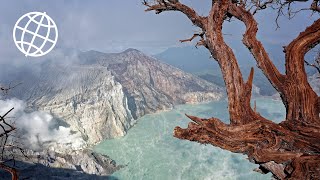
[[86, 98], [84, 160], [100, 95], [151, 85], [48, 164]]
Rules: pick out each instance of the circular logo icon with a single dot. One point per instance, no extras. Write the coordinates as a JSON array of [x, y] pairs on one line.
[[35, 34]]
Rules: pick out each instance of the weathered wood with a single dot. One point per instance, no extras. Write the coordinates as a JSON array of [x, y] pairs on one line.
[[289, 150]]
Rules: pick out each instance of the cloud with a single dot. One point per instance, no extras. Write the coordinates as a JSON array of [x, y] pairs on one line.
[[113, 25], [39, 128], [99, 25]]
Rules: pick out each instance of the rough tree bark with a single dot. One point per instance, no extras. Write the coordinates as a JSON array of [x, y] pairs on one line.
[[290, 149]]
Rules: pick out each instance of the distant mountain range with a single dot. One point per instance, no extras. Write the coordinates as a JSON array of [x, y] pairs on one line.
[[197, 61]]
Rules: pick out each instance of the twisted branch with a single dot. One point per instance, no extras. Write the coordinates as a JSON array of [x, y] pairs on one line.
[[162, 5], [288, 149], [6, 131]]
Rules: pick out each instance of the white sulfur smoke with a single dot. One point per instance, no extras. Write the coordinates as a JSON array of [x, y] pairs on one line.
[[39, 128]]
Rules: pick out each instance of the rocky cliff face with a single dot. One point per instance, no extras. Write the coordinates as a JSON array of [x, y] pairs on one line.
[[151, 85], [101, 95], [86, 97]]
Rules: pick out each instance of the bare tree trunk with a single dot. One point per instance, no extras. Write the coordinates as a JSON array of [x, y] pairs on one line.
[[239, 93], [6, 130], [300, 100], [289, 150]]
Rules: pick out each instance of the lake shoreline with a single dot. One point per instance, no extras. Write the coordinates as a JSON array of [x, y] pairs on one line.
[[151, 138]]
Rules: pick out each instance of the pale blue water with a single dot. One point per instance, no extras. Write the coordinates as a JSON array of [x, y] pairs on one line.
[[151, 152]]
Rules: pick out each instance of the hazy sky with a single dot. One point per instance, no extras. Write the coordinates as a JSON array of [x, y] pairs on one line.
[[115, 25]]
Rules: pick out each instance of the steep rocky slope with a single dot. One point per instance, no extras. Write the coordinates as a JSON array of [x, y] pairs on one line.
[[100, 95], [87, 98], [151, 85]]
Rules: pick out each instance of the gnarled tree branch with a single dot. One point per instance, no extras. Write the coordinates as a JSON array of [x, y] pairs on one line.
[[290, 149], [263, 141], [201, 42], [300, 99], [239, 110], [6, 130], [164, 5], [256, 48]]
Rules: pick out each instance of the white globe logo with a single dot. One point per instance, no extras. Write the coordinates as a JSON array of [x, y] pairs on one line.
[[35, 34]]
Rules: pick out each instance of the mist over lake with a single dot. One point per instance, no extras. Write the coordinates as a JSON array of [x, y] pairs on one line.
[[149, 150]]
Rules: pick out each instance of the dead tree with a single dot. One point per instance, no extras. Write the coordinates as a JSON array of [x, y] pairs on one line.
[[290, 149], [5, 132], [7, 143]]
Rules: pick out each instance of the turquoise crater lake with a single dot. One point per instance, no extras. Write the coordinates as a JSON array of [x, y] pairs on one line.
[[151, 152]]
